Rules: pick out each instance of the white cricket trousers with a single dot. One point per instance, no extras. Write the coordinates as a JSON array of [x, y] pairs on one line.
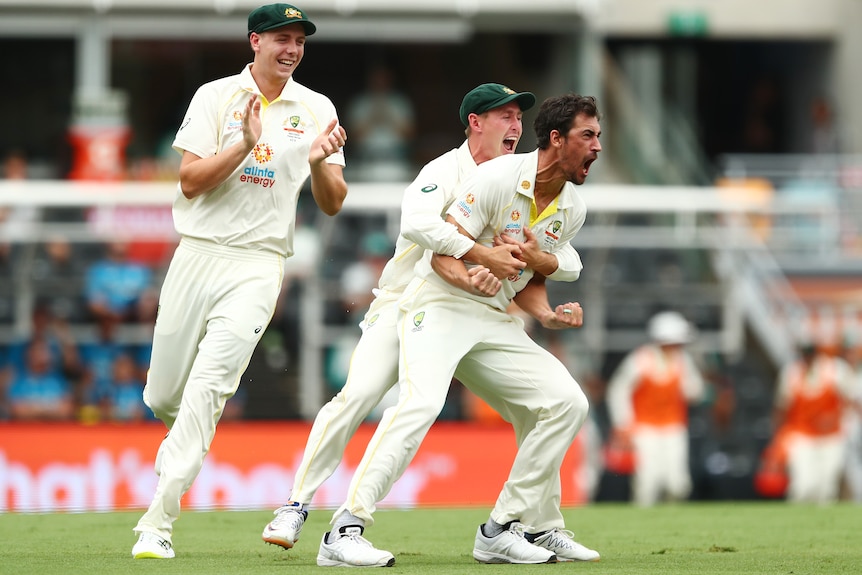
[[815, 467], [661, 468], [214, 306], [373, 372], [505, 367]]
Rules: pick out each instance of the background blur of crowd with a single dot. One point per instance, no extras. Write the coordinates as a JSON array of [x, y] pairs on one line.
[[90, 300]]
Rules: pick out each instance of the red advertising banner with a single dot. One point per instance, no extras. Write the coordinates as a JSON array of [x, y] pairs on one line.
[[70, 467]]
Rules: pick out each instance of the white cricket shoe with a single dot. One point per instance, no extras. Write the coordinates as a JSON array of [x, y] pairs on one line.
[[285, 528], [151, 546], [510, 546], [562, 543], [351, 549]]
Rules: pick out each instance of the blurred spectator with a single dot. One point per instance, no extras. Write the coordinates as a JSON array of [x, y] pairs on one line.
[[54, 332], [115, 285], [359, 279], [381, 128], [123, 400], [37, 391], [853, 468], [824, 131], [98, 358], [812, 394], [16, 222], [15, 166], [5, 380], [648, 398], [57, 274], [762, 116]]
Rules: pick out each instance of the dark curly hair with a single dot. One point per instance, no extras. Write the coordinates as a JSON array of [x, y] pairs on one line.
[[559, 112]]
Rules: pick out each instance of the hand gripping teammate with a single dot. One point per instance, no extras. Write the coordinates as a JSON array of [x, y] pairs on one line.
[[249, 143], [492, 116], [489, 349]]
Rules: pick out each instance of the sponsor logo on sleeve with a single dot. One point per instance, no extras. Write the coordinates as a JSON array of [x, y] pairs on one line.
[[234, 123], [463, 206]]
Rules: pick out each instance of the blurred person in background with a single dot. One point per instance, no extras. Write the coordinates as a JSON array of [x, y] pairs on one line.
[[5, 380], [249, 142], [358, 284], [812, 395], [115, 285], [825, 138], [648, 398], [16, 221], [37, 391], [97, 359], [122, 400], [381, 122], [853, 468], [63, 354], [359, 279]]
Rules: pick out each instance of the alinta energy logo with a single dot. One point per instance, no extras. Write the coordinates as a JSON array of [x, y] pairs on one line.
[[464, 206], [260, 175], [234, 123]]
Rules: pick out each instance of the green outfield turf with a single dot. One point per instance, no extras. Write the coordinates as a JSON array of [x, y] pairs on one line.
[[686, 539]]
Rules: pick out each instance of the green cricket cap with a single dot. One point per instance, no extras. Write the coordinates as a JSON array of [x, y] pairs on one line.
[[489, 96], [274, 16]]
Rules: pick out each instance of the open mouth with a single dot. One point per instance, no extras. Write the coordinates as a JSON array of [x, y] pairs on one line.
[[587, 165], [509, 145], [288, 63]]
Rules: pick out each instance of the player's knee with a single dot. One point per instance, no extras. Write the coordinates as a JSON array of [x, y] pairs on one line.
[[163, 405], [364, 398], [574, 401]]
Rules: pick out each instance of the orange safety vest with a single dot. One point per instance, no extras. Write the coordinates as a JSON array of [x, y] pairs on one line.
[[658, 399], [815, 410]]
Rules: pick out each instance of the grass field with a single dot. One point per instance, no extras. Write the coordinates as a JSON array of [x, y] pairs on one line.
[[690, 539]]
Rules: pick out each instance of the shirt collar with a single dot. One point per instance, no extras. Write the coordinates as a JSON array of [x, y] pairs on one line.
[[527, 182], [246, 81], [466, 163]]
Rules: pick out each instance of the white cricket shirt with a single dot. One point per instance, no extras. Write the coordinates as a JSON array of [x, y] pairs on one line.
[[423, 208], [255, 207], [498, 199]]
